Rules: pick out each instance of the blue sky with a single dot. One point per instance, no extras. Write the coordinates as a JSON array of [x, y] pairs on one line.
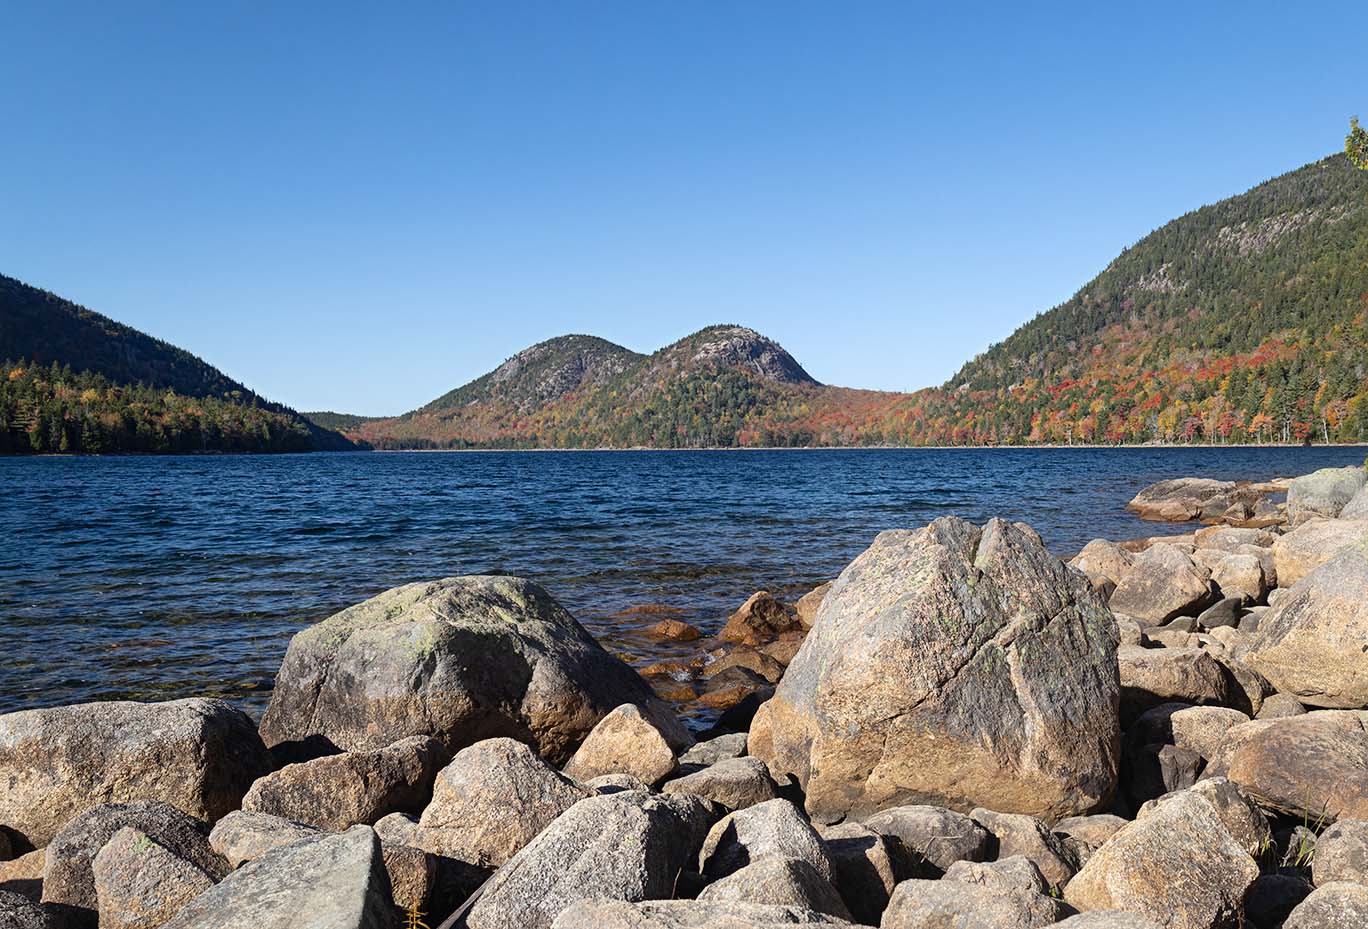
[[358, 208]]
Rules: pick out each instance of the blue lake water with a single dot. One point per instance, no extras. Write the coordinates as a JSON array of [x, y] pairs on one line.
[[164, 577]]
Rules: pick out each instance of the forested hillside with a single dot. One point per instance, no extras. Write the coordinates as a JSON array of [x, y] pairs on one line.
[[72, 380], [1242, 321]]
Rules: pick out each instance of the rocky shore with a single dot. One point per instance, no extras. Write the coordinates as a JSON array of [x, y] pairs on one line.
[[961, 731]]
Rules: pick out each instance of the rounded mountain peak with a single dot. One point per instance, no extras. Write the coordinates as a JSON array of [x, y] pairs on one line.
[[742, 347]]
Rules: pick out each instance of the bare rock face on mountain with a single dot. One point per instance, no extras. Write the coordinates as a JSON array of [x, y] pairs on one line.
[[951, 665], [1314, 643], [460, 659], [198, 755], [739, 347]]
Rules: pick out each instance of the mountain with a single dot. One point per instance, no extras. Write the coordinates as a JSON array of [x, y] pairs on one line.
[[73, 380], [1246, 320]]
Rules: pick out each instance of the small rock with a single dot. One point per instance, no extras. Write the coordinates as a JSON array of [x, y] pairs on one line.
[[785, 648], [778, 880], [731, 687], [676, 630], [412, 875], [927, 840], [1102, 560], [736, 783], [864, 869], [1150, 771], [772, 829], [1163, 583], [687, 914], [624, 742], [338, 791], [1241, 579], [242, 836], [711, 751], [760, 619], [1108, 919], [1224, 612], [140, 884], [809, 603], [1342, 853], [616, 783], [1091, 830], [1030, 838], [24, 875], [1012, 874], [749, 659], [1280, 706], [919, 904], [1340, 905]]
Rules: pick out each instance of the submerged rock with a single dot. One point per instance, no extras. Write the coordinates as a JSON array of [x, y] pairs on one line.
[[758, 620], [198, 755], [954, 665], [460, 659]]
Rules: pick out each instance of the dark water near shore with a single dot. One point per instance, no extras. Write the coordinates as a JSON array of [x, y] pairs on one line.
[[160, 577]]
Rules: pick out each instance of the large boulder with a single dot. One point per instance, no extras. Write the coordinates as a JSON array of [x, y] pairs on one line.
[[688, 914], [329, 881], [19, 912], [736, 783], [927, 840], [198, 755], [952, 665], [1314, 643], [784, 881], [1163, 582], [624, 846], [1342, 853], [460, 659], [242, 836], [947, 904], [1176, 864], [1181, 499], [141, 884], [337, 791], [494, 798], [1340, 905], [774, 829], [1312, 544], [1313, 766], [68, 871], [1151, 677], [1323, 493], [624, 742]]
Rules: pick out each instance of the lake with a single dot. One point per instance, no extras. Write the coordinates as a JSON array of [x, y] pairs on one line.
[[165, 577]]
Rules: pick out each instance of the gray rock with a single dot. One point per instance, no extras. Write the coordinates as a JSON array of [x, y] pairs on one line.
[[1154, 676], [1342, 853], [460, 659], [1239, 814], [19, 912], [1185, 498], [778, 880], [1311, 545], [615, 783], [197, 755], [494, 798], [1314, 644], [1357, 507], [1224, 612], [68, 879], [1029, 838], [1305, 766], [1163, 583], [772, 829], [731, 745], [1194, 874], [1091, 831], [687, 914], [1323, 493], [338, 791], [736, 783], [966, 667], [1153, 770], [140, 884], [927, 840], [1340, 905], [625, 846], [1108, 919], [864, 867], [242, 836], [918, 904], [625, 741], [1102, 560], [323, 882], [1280, 706], [1013, 874]]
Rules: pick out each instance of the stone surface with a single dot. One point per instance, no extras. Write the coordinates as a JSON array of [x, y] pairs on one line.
[[1243, 819], [775, 828], [736, 783], [676, 630], [1241, 576], [1028, 837], [1314, 644], [1340, 905], [1177, 865], [626, 846], [1090, 830], [335, 881], [1012, 874], [460, 659], [24, 875], [711, 751], [1273, 898], [140, 884], [757, 621], [1150, 771], [809, 603], [337, 791], [1201, 729], [1305, 766], [1163, 582], [1103, 560], [1230, 539], [951, 665], [1342, 853], [1311, 545], [68, 879], [490, 801], [1278, 706], [625, 741], [241, 836], [1322, 493], [753, 660], [1151, 677], [1108, 919], [1182, 499], [864, 868], [197, 755], [19, 912], [412, 875], [919, 904], [929, 839], [778, 880], [687, 914]]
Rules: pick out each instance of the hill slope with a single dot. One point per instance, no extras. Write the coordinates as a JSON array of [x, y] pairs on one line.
[[73, 380], [1241, 321]]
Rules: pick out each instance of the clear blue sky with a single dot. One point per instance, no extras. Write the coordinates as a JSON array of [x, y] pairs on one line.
[[360, 208]]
